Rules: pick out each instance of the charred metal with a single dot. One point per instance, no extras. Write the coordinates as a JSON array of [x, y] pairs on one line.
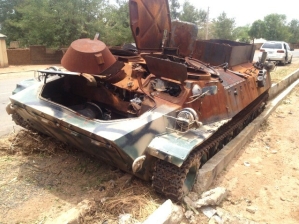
[[158, 112]]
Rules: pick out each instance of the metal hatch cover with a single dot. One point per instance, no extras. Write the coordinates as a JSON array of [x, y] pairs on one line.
[[167, 69], [149, 19]]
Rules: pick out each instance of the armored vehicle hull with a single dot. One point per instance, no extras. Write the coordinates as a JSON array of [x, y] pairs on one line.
[[159, 119]]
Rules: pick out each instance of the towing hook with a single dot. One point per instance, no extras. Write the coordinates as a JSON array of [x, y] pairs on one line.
[[137, 164], [10, 109]]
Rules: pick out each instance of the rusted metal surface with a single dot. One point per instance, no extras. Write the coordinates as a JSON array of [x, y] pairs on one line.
[[167, 177], [229, 79], [158, 118], [166, 68], [217, 52], [149, 20], [88, 56], [199, 65], [183, 36]]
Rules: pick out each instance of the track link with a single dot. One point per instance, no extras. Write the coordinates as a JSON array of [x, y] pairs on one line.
[[172, 181]]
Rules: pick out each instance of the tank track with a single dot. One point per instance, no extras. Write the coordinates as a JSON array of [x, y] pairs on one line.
[[168, 179], [20, 121]]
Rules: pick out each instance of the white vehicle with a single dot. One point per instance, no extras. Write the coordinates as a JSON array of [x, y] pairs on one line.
[[278, 51]]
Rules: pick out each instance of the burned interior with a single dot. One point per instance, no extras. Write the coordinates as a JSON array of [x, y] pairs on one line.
[[159, 113], [124, 89], [99, 100]]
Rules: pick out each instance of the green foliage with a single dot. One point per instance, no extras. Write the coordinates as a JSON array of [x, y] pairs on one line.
[[174, 7], [7, 9], [48, 22], [116, 27], [56, 23], [7, 12], [202, 24], [294, 31], [257, 29], [276, 28], [191, 14], [241, 34], [223, 27]]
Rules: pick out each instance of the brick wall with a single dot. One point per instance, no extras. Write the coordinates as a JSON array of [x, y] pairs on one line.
[[294, 46], [18, 56], [35, 55], [40, 55]]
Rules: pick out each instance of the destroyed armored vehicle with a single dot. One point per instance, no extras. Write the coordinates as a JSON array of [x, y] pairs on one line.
[[159, 115]]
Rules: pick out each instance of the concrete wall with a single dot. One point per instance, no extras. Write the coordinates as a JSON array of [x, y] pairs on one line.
[[35, 55], [258, 45]]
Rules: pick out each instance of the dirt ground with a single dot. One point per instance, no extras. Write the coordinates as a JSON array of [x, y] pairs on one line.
[[41, 178], [265, 174]]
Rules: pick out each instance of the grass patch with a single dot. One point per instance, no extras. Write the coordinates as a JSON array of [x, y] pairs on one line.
[[280, 72], [136, 200]]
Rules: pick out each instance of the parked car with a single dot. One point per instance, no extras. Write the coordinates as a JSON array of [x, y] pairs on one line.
[[278, 51]]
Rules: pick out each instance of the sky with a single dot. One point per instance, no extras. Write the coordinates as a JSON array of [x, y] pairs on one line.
[[246, 12]]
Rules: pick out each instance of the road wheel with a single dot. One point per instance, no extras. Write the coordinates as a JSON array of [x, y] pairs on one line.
[[290, 61]]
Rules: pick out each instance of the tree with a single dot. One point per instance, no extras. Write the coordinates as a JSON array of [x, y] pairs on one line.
[[257, 30], [116, 27], [191, 14], [56, 23], [294, 31], [241, 34], [202, 24], [7, 9], [174, 7], [199, 17], [223, 27], [276, 28]]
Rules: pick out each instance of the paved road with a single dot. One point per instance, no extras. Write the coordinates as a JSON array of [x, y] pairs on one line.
[[9, 77], [296, 53], [7, 85]]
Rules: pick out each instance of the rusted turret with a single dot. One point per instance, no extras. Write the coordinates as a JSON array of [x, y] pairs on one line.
[[88, 56]]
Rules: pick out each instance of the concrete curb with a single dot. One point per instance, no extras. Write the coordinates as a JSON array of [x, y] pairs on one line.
[[282, 85], [214, 166], [161, 215]]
